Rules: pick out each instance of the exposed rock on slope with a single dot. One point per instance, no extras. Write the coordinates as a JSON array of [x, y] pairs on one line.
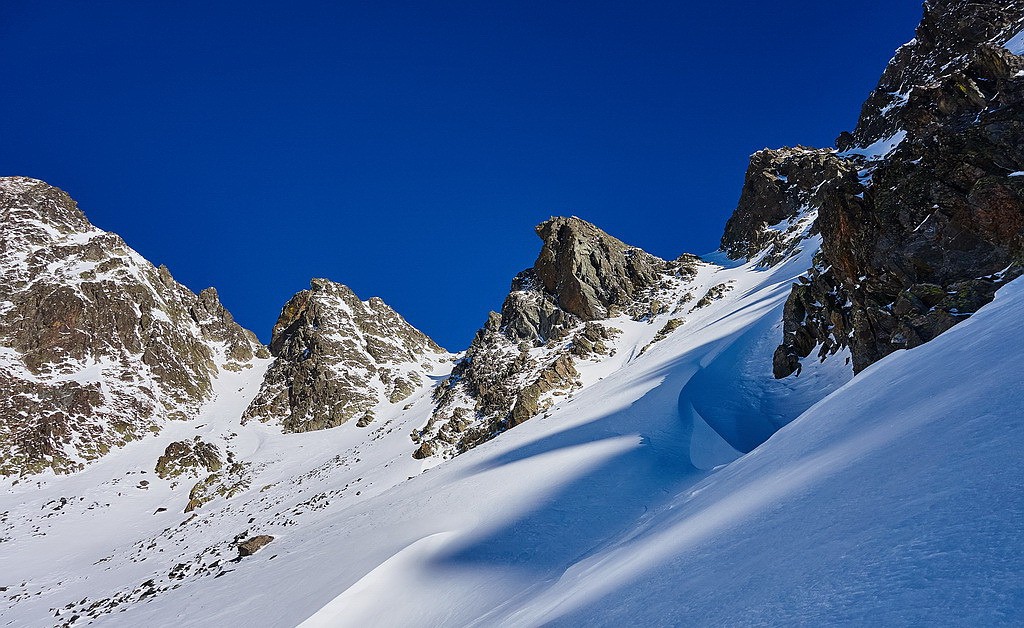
[[254, 544], [782, 192], [588, 273], [922, 214], [952, 35], [525, 356], [337, 358], [188, 457], [97, 346]]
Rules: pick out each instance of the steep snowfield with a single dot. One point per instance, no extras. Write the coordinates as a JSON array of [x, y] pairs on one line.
[[897, 497], [352, 511]]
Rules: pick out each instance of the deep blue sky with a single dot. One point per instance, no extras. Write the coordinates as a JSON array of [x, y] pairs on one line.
[[408, 149]]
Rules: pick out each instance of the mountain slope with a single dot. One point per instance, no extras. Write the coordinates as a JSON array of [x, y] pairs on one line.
[[97, 346], [338, 358], [895, 500], [615, 510], [506, 517], [624, 443], [921, 210]]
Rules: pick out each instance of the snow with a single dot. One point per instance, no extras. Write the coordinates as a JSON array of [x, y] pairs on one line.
[[681, 486], [879, 149], [1019, 173], [899, 99], [1016, 44], [894, 500]]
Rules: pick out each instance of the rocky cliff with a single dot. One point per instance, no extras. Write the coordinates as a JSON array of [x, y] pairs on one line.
[[553, 317], [920, 209], [97, 346], [337, 358]]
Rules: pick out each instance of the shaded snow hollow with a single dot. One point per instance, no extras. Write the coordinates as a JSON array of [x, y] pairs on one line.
[[1016, 44]]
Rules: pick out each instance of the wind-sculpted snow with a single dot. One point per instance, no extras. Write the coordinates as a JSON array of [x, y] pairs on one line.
[[893, 500], [354, 518], [629, 502]]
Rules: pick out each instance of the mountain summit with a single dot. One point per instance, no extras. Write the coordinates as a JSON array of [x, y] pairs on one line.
[[337, 358], [101, 348], [564, 311]]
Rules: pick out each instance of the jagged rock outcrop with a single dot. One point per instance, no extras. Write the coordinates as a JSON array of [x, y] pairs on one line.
[[524, 357], [185, 457], [337, 358], [97, 346], [921, 211], [254, 544], [782, 193], [587, 272], [952, 35]]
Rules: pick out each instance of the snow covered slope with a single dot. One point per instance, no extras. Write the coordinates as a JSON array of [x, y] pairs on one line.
[[896, 499], [354, 518], [612, 449]]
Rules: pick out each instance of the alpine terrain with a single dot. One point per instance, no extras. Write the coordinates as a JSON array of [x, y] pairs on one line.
[[819, 423]]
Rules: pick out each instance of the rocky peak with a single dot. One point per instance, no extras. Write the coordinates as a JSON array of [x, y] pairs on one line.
[[548, 322], [338, 358], [581, 274], [951, 36], [587, 271], [217, 324], [782, 192], [97, 346], [938, 222]]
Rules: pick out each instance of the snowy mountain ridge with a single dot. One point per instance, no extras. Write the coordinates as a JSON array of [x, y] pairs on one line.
[[100, 347], [630, 440]]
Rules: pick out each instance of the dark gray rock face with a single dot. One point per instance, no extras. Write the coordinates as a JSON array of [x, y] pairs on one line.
[[588, 272], [951, 35], [336, 358], [525, 355], [781, 187], [97, 346], [934, 222]]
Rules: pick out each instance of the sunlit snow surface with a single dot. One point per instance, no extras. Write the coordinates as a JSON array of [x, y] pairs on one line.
[[896, 499], [878, 150]]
